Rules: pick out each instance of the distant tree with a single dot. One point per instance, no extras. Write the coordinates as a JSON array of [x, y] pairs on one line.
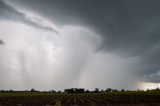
[[79, 90], [87, 91], [114, 90], [74, 90], [122, 90], [96, 90], [26, 90], [11, 90], [102, 90], [157, 89], [33, 90], [2, 91], [108, 90], [139, 90], [59, 91], [53, 91], [148, 90], [69, 90]]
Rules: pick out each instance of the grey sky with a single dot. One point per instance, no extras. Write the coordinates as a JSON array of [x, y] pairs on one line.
[[114, 40]]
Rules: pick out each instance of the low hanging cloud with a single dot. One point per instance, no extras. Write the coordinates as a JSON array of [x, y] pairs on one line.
[[153, 78]]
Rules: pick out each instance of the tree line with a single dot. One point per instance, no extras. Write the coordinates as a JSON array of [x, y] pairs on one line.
[[79, 90]]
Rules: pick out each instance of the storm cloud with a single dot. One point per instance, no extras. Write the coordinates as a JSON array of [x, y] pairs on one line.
[[10, 13], [101, 43], [127, 27]]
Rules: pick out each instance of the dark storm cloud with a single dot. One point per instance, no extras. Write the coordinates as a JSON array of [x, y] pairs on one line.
[[129, 28], [8, 12], [124, 24], [154, 78]]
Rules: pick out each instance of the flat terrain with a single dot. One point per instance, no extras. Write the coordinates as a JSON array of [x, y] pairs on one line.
[[140, 98]]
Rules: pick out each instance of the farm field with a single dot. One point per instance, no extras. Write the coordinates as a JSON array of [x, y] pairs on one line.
[[81, 99]]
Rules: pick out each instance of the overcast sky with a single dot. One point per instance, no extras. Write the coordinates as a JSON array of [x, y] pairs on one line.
[[58, 44]]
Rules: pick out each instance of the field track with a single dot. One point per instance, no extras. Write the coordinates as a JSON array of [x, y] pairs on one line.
[[72, 100]]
